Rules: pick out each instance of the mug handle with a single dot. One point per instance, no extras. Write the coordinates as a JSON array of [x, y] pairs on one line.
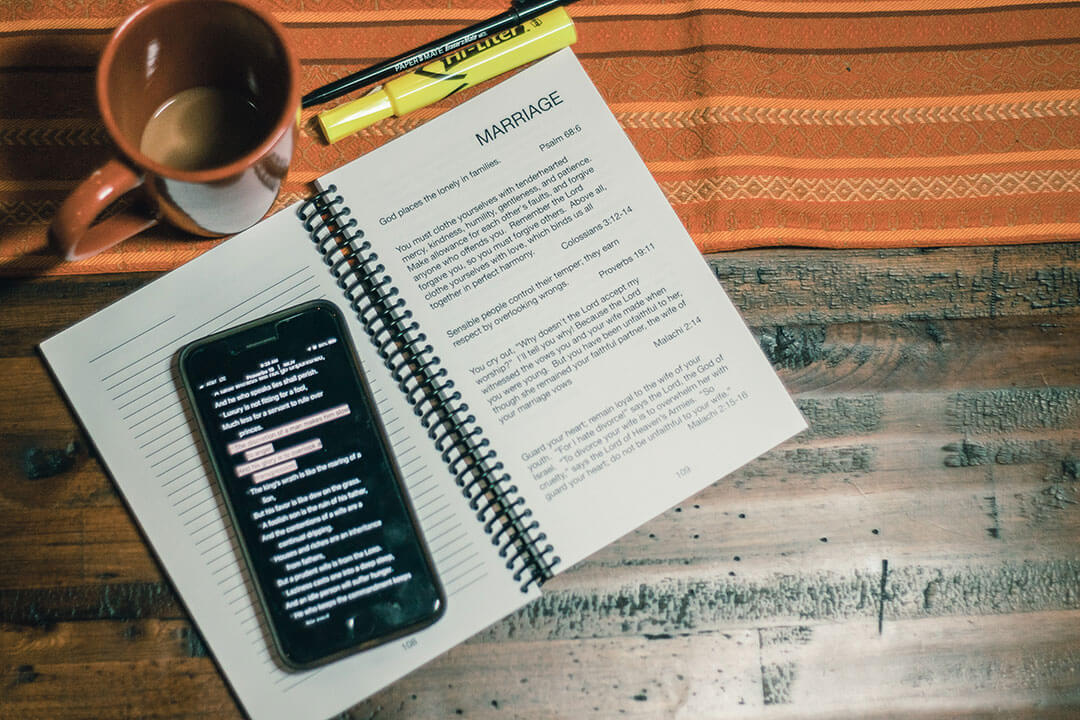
[[73, 234]]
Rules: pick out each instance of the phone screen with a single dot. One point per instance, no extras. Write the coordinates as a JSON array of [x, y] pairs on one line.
[[318, 503]]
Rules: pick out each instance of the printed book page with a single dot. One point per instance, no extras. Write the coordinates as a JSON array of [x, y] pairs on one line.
[[118, 369], [607, 367]]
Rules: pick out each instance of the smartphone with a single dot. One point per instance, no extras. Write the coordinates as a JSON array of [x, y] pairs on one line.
[[323, 519]]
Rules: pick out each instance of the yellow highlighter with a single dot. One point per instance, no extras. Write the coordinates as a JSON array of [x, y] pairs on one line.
[[483, 60]]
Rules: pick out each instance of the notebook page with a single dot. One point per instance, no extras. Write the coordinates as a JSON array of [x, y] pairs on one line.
[[118, 370], [608, 368]]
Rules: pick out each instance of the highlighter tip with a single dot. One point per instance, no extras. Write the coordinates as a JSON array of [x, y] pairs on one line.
[[354, 116], [327, 130]]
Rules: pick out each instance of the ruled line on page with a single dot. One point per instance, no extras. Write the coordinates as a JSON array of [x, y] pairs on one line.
[[165, 370], [468, 564], [179, 413], [137, 398], [462, 588], [131, 339], [225, 540], [181, 476], [175, 466], [166, 446], [223, 568], [416, 481], [422, 509], [203, 492], [163, 364], [215, 509], [461, 535], [310, 277], [170, 459], [432, 537], [181, 424], [415, 491], [461, 561], [437, 523], [417, 496], [229, 579]]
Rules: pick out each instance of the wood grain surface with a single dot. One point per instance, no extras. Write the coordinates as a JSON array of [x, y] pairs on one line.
[[914, 554]]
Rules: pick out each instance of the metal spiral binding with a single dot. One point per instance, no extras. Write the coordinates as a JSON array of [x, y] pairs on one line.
[[417, 370]]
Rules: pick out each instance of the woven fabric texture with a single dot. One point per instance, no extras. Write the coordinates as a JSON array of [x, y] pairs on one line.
[[870, 123]]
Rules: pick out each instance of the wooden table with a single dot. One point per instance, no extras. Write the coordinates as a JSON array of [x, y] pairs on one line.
[[915, 553]]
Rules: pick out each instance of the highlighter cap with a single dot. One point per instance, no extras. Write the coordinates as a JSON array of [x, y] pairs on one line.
[[355, 116]]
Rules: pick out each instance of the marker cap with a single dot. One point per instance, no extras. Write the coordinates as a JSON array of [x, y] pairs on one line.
[[356, 115]]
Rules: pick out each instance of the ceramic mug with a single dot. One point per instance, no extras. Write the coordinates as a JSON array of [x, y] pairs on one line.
[[201, 99]]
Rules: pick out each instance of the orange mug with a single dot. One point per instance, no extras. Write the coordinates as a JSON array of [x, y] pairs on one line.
[[201, 99]]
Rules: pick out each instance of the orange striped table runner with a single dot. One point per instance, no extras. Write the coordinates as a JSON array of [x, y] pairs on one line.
[[867, 123]]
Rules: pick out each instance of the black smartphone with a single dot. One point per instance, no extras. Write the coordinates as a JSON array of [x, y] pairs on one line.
[[324, 522]]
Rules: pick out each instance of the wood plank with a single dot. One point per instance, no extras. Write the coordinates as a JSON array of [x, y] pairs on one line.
[[118, 688], [836, 536], [875, 495], [57, 547], [33, 309], [741, 530], [601, 601], [994, 664], [804, 286], [796, 286], [840, 359], [30, 401], [98, 601], [51, 468], [726, 537], [1024, 665], [101, 641], [925, 354], [1002, 461]]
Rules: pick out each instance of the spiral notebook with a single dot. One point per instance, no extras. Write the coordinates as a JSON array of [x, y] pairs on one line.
[[553, 362]]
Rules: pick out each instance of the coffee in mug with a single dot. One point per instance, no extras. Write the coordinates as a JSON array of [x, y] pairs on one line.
[[201, 128]]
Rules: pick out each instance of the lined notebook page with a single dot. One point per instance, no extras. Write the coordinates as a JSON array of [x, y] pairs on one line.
[[118, 368]]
